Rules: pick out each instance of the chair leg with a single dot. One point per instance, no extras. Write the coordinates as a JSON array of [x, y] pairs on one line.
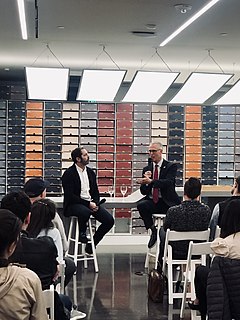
[[76, 241], [93, 246], [170, 284]]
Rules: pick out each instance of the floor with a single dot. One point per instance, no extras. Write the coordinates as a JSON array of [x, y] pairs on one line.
[[117, 292]]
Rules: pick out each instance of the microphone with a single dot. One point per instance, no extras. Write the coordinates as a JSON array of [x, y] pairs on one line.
[[101, 202]]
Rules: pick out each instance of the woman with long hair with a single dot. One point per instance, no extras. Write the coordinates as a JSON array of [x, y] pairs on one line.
[[20, 288], [41, 224]]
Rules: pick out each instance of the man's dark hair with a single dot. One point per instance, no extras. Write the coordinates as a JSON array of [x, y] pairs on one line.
[[192, 188], [10, 227], [238, 184], [76, 153], [230, 222], [18, 202]]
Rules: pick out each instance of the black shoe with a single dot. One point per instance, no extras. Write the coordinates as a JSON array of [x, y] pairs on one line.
[[88, 249], [83, 238], [193, 306], [153, 238]]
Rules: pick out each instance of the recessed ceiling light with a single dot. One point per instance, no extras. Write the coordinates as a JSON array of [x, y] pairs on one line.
[[7, 69], [60, 27], [223, 34], [150, 26]]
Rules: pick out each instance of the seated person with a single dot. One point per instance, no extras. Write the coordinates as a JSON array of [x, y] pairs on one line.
[[36, 189], [81, 198], [190, 215], [41, 224], [158, 187], [21, 296], [37, 254], [228, 245], [219, 208], [40, 254]]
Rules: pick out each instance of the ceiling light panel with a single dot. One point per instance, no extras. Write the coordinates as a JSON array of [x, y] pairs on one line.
[[199, 87], [100, 85], [149, 86], [230, 97], [47, 83]]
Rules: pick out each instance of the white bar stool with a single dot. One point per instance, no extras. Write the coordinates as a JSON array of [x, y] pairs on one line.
[[158, 223], [78, 252]]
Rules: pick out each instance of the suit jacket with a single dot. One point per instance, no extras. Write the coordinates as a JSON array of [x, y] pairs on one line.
[[72, 188], [166, 183]]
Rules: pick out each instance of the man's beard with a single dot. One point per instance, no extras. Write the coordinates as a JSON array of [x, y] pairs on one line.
[[85, 162]]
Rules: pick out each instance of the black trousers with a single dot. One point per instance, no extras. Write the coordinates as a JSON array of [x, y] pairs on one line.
[[147, 208], [200, 282], [83, 214], [70, 269]]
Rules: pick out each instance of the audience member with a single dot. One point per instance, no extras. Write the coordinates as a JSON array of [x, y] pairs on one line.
[[158, 187], [36, 189], [81, 198], [227, 246], [220, 207], [20, 288], [41, 224], [190, 215], [37, 254]]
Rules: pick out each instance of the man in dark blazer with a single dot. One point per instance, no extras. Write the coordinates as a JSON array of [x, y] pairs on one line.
[[158, 186], [81, 197]]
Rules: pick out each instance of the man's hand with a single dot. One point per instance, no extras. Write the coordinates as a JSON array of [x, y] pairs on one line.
[[55, 277], [145, 180], [93, 206]]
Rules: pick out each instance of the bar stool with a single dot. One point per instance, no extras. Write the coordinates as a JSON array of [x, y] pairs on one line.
[[158, 221], [78, 253]]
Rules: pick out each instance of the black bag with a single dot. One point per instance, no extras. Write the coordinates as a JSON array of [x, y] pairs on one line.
[[155, 286]]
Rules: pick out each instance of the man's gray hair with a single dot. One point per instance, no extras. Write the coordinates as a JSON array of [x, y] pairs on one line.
[[159, 144]]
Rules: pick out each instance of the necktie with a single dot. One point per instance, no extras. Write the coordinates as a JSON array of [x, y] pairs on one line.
[[155, 190]]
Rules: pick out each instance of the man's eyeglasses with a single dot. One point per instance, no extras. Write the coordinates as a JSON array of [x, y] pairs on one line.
[[153, 150]]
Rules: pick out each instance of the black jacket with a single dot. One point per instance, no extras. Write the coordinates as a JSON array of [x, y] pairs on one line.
[[223, 289], [72, 188], [39, 255], [166, 183]]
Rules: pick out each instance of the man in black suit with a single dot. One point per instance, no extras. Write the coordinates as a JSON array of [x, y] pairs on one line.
[[158, 186], [81, 197]]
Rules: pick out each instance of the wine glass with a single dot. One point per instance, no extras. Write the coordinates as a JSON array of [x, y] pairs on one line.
[[123, 190], [110, 190]]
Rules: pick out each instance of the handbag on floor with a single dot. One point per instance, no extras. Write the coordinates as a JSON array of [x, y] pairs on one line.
[[155, 285]]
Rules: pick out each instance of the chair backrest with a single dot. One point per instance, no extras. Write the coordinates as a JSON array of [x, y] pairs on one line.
[[172, 235], [217, 232], [194, 249], [48, 296]]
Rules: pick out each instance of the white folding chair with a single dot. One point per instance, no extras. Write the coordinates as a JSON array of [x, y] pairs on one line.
[[201, 249], [48, 296], [217, 232], [61, 278], [169, 262], [158, 223]]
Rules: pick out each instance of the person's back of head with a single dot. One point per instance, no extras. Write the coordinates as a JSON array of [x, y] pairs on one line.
[[192, 188], [42, 213], [18, 202], [36, 188], [231, 219], [10, 227]]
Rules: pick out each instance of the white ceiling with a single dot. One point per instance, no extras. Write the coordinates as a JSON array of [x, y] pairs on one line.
[[89, 24]]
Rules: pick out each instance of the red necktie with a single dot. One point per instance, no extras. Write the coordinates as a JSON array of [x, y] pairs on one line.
[[155, 190]]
